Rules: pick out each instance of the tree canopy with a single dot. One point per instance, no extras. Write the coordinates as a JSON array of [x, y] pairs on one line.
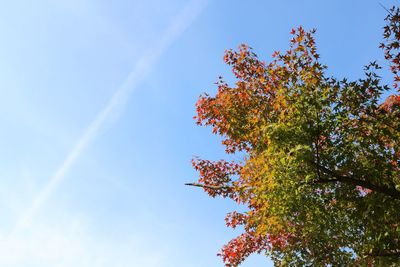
[[320, 175]]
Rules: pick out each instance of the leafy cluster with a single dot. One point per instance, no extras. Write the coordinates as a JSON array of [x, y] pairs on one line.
[[321, 171]]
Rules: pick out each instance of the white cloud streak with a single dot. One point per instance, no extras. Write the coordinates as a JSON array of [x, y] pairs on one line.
[[140, 70]]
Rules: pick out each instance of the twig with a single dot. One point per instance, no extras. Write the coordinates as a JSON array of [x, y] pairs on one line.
[[214, 187]]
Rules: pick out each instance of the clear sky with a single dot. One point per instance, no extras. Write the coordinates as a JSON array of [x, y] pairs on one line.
[[96, 107]]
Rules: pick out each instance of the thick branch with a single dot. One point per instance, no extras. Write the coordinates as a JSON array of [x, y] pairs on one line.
[[386, 253], [355, 181]]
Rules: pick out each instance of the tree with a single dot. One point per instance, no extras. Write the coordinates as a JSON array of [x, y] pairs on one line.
[[320, 174]]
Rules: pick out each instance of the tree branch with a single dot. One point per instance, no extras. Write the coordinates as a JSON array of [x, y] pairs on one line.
[[386, 253], [356, 181], [214, 187], [387, 10]]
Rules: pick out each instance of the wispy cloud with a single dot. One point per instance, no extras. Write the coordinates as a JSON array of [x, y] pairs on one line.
[[72, 243], [139, 72]]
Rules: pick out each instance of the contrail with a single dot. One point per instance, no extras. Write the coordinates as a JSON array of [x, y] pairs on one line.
[[142, 67]]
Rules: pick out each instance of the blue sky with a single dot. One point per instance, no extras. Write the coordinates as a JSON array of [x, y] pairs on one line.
[[96, 107]]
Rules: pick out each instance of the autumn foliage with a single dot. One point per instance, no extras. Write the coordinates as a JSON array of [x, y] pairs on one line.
[[320, 168]]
